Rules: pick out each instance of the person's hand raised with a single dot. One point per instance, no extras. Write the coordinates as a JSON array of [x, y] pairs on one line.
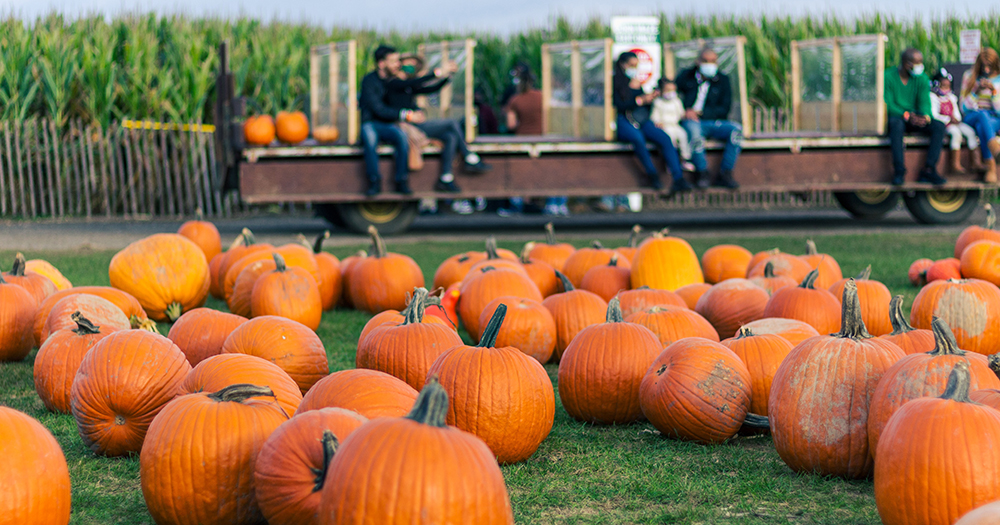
[[416, 117]]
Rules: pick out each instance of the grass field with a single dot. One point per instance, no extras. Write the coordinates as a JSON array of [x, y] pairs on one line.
[[581, 473]]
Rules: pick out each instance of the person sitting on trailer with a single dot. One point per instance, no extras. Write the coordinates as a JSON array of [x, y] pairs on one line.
[[378, 122], [981, 101], [708, 97], [908, 103], [635, 127]]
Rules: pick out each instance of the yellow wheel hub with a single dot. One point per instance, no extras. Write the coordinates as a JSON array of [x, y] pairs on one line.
[[946, 201], [380, 212], [873, 196]]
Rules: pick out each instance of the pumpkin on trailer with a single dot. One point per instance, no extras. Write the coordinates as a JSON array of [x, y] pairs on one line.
[[725, 261], [696, 390], [770, 282], [938, 457], [204, 234], [551, 251], [606, 280], [329, 269], [821, 394], [805, 302], [259, 130], [666, 263], [454, 269], [573, 310], [528, 327], [187, 476], [289, 344], [166, 272], [673, 323], [978, 233], [120, 387], [541, 273], [920, 375], [691, 293], [601, 370], [633, 301], [224, 370], [732, 304], [291, 127], [762, 354], [981, 260], [92, 307], [59, 359], [371, 393], [829, 269], [918, 272], [291, 468], [486, 284], [970, 307], [381, 280], [586, 258], [874, 297], [47, 269], [455, 476], [632, 246], [34, 488], [793, 330], [497, 393], [201, 332], [911, 340], [944, 269], [326, 134], [129, 305], [287, 292], [39, 286], [17, 314]]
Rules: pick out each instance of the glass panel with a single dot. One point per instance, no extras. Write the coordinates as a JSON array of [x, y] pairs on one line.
[[456, 54], [686, 55], [592, 73], [817, 73], [561, 102], [859, 71], [343, 90]]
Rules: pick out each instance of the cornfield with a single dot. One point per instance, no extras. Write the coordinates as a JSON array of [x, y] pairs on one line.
[[163, 67]]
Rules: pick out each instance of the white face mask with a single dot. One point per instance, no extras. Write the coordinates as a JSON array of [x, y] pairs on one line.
[[708, 70], [669, 95], [917, 70], [631, 72]]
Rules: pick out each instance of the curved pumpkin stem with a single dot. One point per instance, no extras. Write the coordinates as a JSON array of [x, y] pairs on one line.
[[597, 245], [301, 239], [633, 238], [330, 445], [240, 393], [174, 311], [378, 245], [19, 264], [148, 325], [661, 233], [1, 279], [994, 363], [991, 217], [896, 317], [489, 338], [614, 311], [318, 243], [414, 312], [810, 281], [865, 274], [745, 331], [852, 326], [756, 421], [248, 238], [279, 262], [550, 234], [614, 259], [959, 382], [83, 325], [811, 247], [769, 270], [567, 285], [431, 406], [944, 339], [491, 248], [528, 246]]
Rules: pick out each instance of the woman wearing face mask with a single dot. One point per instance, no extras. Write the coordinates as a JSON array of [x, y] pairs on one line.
[[981, 103], [635, 127]]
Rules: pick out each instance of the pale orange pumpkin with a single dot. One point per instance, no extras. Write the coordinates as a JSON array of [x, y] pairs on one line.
[[166, 272]]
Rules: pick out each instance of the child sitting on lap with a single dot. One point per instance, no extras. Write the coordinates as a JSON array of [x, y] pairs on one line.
[[668, 110], [944, 107]]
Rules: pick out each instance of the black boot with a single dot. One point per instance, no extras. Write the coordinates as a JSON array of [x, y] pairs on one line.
[[681, 186], [403, 188], [655, 182], [725, 180], [702, 180], [374, 188], [930, 175]]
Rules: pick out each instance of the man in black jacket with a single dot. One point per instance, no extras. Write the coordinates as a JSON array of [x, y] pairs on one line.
[[378, 122], [707, 97]]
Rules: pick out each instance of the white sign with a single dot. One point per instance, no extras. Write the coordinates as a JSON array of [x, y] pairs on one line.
[[640, 35], [969, 44]]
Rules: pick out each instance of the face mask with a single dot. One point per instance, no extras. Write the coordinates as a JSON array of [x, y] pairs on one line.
[[917, 70], [408, 70], [515, 81], [631, 72], [669, 95], [708, 70]]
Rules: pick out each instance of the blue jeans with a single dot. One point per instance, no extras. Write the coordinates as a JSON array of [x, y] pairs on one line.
[[452, 140], [373, 132], [986, 123], [556, 201], [699, 130], [638, 137]]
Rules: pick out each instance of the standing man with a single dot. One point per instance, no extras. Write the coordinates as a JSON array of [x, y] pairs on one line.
[[708, 96], [908, 103], [378, 122]]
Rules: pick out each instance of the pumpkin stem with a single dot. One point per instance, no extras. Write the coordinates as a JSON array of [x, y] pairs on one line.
[[633, 238], [810, 281], [491, 248], [19, 264], [279, 262], [330, 445], [745, 331], [597, 245], [240, 393], [431, 406], [567, 285], [199, 214], [991, 217], [148, 325], [614, 311], [248, 238], [174, 311], [318, 244], [865, 274], [301, 239], [661, 234], [755, 421], [378, 245], [811, 247], [958, 385], [852, 326], [528, 246], [83, 325], [944, 339], [134, 322], [236, 242], [1, 279], [993, 360], [550, 233], [896, 317], [769, 270], [489, 338], [614, 259], [414, 312]]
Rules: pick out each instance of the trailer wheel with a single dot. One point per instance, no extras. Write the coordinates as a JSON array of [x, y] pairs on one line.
[[330, 213], [941, 206], [388, 216], [868, 204]]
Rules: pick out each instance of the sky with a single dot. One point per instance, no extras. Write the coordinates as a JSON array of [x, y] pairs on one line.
[[501, 16]]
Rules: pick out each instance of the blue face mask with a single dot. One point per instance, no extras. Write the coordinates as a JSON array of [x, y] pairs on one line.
[[631, 72], [917, 70], [708, 70]]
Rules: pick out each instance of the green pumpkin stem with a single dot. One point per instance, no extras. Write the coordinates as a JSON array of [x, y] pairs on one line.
[[318, 243], [550, 233], [567, 285], [83, 325], [899, 324], [811, 247], [633, 238], [378, 245], [491, 248], [614, 259], [19, 264], [865, 274], [745, 331], [279, 262], [199, 214], [810, 281], [1, 279], [614, 311], [755, 421], [944, 339], [330, 445], [489, 337], [852, 326], [240, 393], [431, 406], [991, 216], [174, 311], [993, 360], [959, 382], [248, 238], [414, 312], [597, 245], [769, 270]]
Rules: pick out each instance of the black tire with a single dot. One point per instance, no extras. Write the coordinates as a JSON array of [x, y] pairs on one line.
[[330, 213], [942, 206], [868, 205], [388, 216]]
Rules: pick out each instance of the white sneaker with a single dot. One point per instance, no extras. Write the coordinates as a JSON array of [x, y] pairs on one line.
[[480, 204], [564, 210], [462, 207], [550, 209]]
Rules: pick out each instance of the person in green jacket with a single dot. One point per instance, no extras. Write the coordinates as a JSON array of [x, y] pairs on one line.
[[908, 102]]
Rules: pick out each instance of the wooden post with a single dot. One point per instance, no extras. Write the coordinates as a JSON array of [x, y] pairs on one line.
[[91, 175], [76, 187], [333, 83], [669, 63], [103, 163], [836, 88], [741, 70], [796, 86], [3, 178], [20, 170], [57, 168], [546, 87], [576, 87], [470, 94], [29, 166], [353, 119], [880, 111], [445, 99], [46, 152], [314, 78], [609, 107], [169, 196]]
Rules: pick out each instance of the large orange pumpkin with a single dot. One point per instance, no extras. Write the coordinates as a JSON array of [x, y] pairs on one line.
[[497, 393], [771, 282], [573, 310], [911, 340], [128, 304], [606, 280], [425, 301], [258, 130], [294, 254], [691, 293], [239, 300], [553, 252], [696, 390], [528, 327], [673, 323], [204, 234], [371, 393], [762, 354], [805, 302], [944, 269], [829, 269], [665, 263], [454, 476], [59, 359], [732, 304], [43, 267], [875, 298], [213, 276], [291, 468], [633, 301], [601, 370], [918, 272], [725, 261], [486, 284], [287, 292], [198, 462], [970, 307], [760, 257], [586, 258], [938, 458], [381, 280], [225, 370], [17, 313], [100, 311], [244, 244], [201, 332], [329, 268], [291, 127], [793, 330], [347, 267], [541, 273], [166, 272], [981, 260], [978, 233], [289, 344], [34, 488], [454, 269], [36, 284], [122, 384], [821, 393]]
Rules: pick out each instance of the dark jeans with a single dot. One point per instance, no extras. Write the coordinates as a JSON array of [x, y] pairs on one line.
[[730, 132], [373, 132], [451, 137], [898, 127], [986, 123], [638, 137]]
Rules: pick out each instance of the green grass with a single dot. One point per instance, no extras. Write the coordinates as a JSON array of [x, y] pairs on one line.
[[581, 473]]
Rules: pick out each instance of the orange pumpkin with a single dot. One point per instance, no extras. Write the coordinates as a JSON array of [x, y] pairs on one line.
[[382, 280], [455, 268], [213, 276], [294, 254], [17, 312], [393, 317], [691, 293], [874, 298], [347, 267], [329, 269], [371, 393], [34, 488], [944, 269], [786, 265], [829, 269], [760, 257], [291, 468], [665, 263], [239, 300], [918, 272], [696, 390], [291, 127], [988, 514], [978, 233], [633, 301], [762, 354], [59, 359], [725, 261], [244, 244], [46, 268], [793, 330], [987, 396], [970, 307], [188, 476], [821, 393], [586, 258], [981, 260], [39, 286], [486, 284], [628, 251], [911, 340], [673, 323], [732, 304], [259, 130], [541, 273], [225, 370], [166, 272], [528, 327], [496, 258], [289, 344], [601, 370], [770, 282], [573, 310], [100, 311], [550, 251], [816, 306], [607, 280], [122, 384], [288, 292], [204, 234], [326, 134], [128, 305], [497, 393]]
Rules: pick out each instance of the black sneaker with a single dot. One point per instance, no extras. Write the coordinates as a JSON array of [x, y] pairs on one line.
[[931, 176], [373, 189], [703, 181], [446, 187], [898, 179], [477, 168], [725, 180], [681, 186], [403, 188], [655, 183]]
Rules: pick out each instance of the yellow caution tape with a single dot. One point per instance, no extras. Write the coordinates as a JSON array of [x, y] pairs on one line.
[[148, 124]]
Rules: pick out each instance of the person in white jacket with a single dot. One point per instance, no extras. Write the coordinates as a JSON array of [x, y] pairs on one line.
[[668, 110], [945, 108]]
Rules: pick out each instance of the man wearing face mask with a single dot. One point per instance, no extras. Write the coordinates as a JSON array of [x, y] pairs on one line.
[[708, 97], [908, 103]]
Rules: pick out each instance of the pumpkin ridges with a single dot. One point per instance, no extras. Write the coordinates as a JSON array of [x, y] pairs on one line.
[[762, 354], [573, 310], [486, 285], [815, 306], [330, 269], [550, 251], [969, 306], [17, 310], [370, 393], [202, 233], [975, 233], [666, 263], [642, 298], [35, 486], [394, 274], [224, 370], [59, 359], [725, 261], [288, 292], [289, 344], [672, 323], [528, 327], [731, 304], [173, 278], [607, 280]]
